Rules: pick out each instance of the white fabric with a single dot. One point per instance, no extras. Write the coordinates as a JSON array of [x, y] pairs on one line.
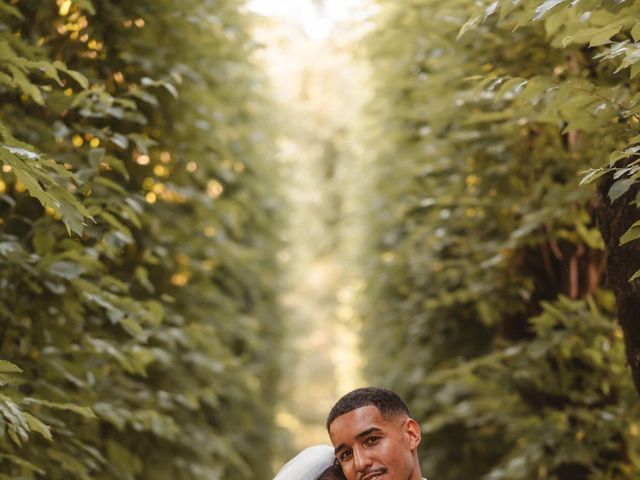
[[308, 464]]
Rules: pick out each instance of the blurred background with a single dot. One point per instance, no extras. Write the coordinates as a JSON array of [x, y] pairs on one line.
[[319, 90], [218, 216]]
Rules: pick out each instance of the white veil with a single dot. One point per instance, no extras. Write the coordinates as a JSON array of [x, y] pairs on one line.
[[308, 464]]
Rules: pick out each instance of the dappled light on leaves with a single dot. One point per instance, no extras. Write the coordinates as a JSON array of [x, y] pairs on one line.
[[131, 341]]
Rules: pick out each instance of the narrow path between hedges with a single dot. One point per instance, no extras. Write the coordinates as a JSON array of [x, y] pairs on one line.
[[319, 89]]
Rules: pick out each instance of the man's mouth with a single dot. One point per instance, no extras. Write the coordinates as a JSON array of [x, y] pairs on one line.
[[373, 475]]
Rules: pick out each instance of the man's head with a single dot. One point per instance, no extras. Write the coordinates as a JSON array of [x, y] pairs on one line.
[[374, 436]]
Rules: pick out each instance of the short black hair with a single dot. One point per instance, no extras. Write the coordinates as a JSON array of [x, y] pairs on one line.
[[387, 401]]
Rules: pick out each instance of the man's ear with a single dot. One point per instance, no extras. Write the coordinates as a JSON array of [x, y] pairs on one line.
[[412, 431]]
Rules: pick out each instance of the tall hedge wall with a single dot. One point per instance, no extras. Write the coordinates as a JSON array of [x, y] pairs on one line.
[[489, 303], [138, 320]]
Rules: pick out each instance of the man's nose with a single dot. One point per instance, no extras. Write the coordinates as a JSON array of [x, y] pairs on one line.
[[361, 460]]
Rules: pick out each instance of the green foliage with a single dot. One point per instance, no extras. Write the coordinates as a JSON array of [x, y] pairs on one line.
[[485, 293], [141, 346]]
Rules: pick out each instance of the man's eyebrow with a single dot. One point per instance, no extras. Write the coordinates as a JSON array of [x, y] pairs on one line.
[[360, 435]]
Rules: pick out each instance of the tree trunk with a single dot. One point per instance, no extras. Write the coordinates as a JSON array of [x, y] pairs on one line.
[[622, 262]]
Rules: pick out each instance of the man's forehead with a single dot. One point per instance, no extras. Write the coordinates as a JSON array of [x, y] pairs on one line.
[[357, 421]]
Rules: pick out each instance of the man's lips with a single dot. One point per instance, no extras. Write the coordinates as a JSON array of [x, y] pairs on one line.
[[372, 475]]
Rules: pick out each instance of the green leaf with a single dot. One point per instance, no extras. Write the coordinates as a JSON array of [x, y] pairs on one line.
[[85, 412], [38, 426], [25, 85], [619, 188], [118, 166], [50, 71], [66, 269], [632, 233], [133, 328], [469, 24], [635, 32], [123, 459], [156, 312], [77, 76], [88, 6], [545, 8], [110, 184], [39, 177], [593, 175], [11, 10], [21, 463], [603, 36], [43, 242], [8, 367]]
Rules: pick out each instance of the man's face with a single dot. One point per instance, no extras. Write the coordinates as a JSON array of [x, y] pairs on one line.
[[370, 447]]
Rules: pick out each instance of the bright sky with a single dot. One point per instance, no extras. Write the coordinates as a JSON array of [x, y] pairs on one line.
[[317, 22]]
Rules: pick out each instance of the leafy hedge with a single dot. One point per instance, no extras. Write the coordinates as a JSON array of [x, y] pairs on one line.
[[487, 305], [138, 223]]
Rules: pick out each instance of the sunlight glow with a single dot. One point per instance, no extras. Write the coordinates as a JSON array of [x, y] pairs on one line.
[[317, 21]]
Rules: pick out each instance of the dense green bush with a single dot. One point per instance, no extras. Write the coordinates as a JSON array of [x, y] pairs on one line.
[[141, 337], [487, 303]]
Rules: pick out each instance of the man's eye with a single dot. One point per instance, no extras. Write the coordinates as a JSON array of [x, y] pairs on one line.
[[345, 455], [371, 440]]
